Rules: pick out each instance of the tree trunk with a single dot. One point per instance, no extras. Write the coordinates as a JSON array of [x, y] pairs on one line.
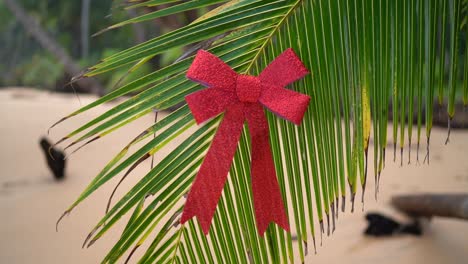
[[428, 205], [138, 29], [48, 43], [85, 8]]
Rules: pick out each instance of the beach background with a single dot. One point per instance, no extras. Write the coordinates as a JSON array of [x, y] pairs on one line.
[[43, 44], [31, 201]]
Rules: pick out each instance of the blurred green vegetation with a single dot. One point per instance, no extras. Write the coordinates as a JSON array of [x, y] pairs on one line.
[[25, 63]]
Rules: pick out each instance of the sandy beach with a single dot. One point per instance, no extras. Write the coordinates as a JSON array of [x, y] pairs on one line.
[[31, 201]]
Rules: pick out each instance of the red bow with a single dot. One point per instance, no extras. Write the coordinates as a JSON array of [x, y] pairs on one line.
[[241, 98]]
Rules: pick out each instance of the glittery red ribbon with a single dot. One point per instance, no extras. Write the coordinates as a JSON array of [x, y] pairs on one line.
[[241, 98]]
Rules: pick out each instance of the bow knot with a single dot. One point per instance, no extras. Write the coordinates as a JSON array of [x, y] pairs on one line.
[[242, 98], [248, 88]]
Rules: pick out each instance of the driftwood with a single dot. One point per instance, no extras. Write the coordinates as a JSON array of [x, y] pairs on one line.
[[429, 205]]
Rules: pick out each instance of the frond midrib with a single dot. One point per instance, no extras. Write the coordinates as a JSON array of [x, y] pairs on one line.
[[272, 34]]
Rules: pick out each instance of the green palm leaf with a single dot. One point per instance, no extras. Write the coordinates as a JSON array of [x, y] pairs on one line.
[[363, 55]]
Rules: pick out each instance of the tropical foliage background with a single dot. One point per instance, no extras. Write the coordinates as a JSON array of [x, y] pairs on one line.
[[71, 25], [370, 60]]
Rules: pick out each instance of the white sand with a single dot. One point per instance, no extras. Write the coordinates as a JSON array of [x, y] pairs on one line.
[[30, 201]]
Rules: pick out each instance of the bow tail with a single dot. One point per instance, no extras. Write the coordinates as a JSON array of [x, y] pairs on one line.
[[209, 182], [268, 202]]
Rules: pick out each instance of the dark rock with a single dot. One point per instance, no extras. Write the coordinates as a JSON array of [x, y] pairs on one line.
[[55, 159], [380, 225]]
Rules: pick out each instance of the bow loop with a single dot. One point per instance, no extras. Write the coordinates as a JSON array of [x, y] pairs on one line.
[[285, 69], [285, 103], [210, 71]]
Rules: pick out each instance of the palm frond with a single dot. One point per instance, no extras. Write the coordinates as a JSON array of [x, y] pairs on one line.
[[370, 60]]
